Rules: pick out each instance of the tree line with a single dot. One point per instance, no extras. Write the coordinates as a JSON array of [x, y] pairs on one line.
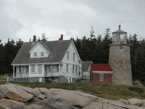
[[90, 48]]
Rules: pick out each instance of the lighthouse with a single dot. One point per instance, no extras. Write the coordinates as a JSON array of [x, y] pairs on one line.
[[119, 58]]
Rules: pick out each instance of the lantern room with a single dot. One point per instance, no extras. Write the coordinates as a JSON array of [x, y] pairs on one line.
[[119, 36]]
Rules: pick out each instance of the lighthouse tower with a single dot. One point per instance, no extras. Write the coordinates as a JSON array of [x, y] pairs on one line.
[[119, 58]]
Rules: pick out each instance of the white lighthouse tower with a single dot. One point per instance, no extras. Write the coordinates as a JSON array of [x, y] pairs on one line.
[[119, 58]]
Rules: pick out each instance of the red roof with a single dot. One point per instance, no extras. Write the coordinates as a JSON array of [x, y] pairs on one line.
[[100, 67]]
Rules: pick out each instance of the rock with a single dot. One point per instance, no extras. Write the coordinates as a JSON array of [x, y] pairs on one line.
[[135, 101], [102, 100], [34, 106], [143, 103], [12, 104], [43, 90], [35, 92], [92, 97], [3, 107], [94, 105], [67, 99], [133, 107], [116, 103], [2, 95], [108, 106], [138, 83], [15, 92], [126, 102]]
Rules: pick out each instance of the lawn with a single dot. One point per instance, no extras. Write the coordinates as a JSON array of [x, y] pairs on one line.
[[107, 91]]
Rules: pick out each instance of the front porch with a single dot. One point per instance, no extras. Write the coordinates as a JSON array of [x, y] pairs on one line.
[[36, 70]]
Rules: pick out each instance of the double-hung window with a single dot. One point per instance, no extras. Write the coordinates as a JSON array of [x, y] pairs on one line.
[[35, 54], [39, 68], [66, 67], [101, 77], [42, 53], [33, 68]]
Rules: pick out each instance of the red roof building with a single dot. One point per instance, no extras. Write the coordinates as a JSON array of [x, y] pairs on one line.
[[101, 73]]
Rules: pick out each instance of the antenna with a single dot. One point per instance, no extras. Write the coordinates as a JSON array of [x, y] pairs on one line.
[[92, 32]]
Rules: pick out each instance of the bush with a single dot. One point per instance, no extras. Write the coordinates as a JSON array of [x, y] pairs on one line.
[[137, 89]]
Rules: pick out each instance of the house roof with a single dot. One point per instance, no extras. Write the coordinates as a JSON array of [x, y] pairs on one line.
[[101, 67], [57, 48], [85, 65]]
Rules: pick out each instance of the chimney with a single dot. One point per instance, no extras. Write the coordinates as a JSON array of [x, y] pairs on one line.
[[34, 38], [61, 37]]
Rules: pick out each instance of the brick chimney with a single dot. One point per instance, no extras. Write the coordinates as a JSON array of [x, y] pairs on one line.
[[61, 37], [34, 38]]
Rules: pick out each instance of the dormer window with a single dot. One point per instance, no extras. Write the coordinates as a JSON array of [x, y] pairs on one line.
[[35, 54], [42, 53]]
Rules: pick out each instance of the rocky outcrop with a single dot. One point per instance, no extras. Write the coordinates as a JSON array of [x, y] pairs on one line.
[[14, 96]]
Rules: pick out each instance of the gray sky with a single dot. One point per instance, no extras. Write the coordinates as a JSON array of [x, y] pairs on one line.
[[72, 18]]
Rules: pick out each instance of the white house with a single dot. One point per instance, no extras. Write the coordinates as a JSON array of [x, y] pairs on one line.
[[86, 68], [41, 61]]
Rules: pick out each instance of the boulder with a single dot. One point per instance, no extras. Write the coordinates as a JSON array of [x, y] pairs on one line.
[[12, 104], [116, 103], [15, 92], [102, 100], [143, 103], [2, 95], [3, 107], [108, 106], [135, 101], [94, 105], [43, 90], [133, 107], [126, 102], [92, 97], [67, 99], [35, 92], [34, 106]]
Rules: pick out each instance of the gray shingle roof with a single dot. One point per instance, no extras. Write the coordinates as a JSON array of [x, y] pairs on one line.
[[57, 48], [85, 65]]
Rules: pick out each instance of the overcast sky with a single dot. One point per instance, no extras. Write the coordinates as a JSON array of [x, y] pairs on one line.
[[72, 18]]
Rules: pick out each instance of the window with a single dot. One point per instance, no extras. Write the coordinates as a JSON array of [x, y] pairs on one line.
[[35, 54], [51, 68], [73, 68], [121, 63], [101, 77], [76, 69], [39, 68], [20, 69], [42, 53], [67, 55], [33, 68], [57, 68], [27, 69], [73, 56], [66, 67]]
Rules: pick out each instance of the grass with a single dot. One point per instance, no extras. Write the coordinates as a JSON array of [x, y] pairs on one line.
[[107, 91]]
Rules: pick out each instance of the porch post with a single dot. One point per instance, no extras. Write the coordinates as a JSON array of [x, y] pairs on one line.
[[29, 69], [21, 72], [59, 67], [43, 70], [13, 71]]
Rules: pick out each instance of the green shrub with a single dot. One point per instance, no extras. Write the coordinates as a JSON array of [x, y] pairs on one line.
[[137, 89]]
